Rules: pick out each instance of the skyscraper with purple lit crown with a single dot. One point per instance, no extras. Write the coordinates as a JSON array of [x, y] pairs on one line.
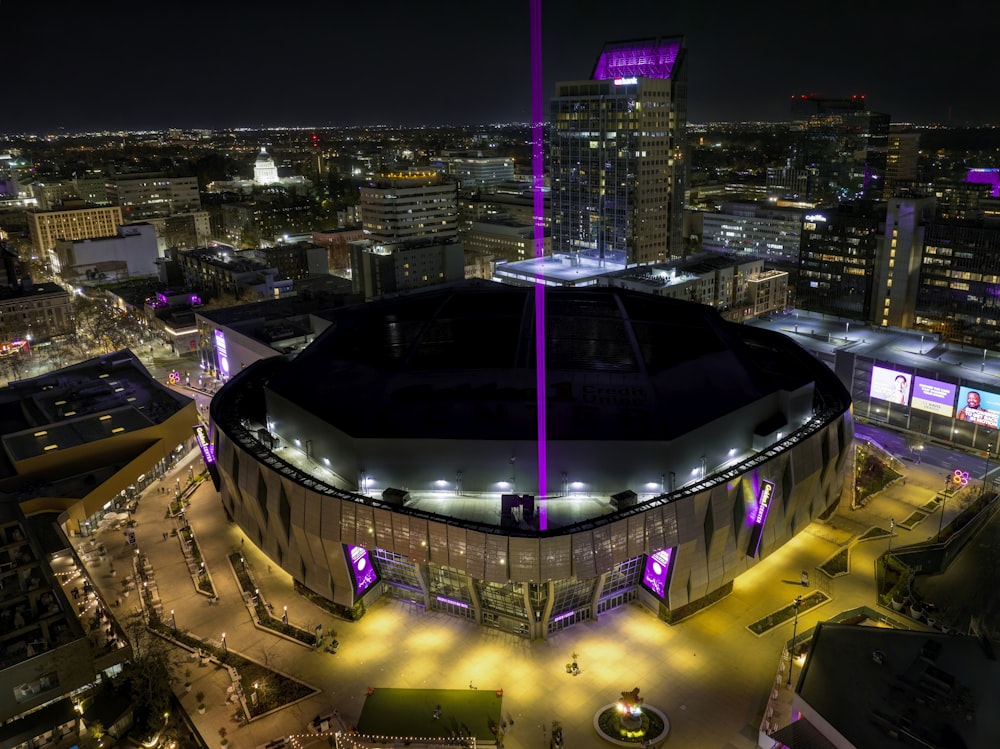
[[618, 154]]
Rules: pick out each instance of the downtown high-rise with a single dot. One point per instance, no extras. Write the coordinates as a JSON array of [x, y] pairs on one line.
[[618, 155]]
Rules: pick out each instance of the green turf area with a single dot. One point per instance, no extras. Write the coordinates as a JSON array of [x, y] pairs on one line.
[[410, 712]]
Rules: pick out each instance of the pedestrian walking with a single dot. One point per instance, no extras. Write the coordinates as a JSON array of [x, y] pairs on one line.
[[805, 579]]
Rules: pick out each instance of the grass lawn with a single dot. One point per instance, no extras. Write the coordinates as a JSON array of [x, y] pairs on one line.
[[410, 712]]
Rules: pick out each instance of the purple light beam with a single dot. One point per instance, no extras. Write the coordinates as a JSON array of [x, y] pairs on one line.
[[538, 174]]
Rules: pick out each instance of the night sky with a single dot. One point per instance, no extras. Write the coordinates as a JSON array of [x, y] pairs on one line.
[[214, 63]]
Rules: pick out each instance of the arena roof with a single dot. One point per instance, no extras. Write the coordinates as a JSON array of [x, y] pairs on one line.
[[457, 361]]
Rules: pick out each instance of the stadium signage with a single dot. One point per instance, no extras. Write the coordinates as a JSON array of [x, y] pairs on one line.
[[204, 444], [764, 497], [654, 577], [362, 569]]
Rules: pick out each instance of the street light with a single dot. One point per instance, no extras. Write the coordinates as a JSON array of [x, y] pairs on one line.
[[795, 628], [892, 524], [284, 616], [986, 474], [173, 620], [225, 648]]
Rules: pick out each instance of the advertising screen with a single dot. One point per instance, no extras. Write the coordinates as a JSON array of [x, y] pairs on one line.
[[654, 577], [978, 406], [933, 396], [220, 348], [362, 570], [890, 385]]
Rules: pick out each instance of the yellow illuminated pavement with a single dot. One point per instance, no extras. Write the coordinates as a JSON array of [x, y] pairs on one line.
[[710, 675]]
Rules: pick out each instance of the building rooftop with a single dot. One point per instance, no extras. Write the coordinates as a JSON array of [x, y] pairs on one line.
[[97, 399], [876, 686]]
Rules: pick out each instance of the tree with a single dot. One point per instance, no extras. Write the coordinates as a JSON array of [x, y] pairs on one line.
[[148, 675]]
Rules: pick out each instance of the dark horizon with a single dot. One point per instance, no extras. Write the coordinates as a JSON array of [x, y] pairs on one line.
[[436, 63]]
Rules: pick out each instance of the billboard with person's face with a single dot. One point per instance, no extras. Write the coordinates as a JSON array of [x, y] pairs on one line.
[[890, 385], [978, 406]]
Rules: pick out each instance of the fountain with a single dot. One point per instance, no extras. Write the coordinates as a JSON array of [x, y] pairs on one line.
[[630, 722]]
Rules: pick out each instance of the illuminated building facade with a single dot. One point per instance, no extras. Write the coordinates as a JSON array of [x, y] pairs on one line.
[[747, 227], [842, 145], [481, 171], [33, 313], [838, 259], [153, 195], [264, 170], [408, 428], [75, 220], [618, 155], [401, 206]]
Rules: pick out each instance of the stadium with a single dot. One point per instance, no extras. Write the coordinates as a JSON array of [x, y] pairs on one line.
[[405, 453]]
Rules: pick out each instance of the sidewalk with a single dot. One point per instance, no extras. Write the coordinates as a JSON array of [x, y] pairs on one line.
[[709, 674]]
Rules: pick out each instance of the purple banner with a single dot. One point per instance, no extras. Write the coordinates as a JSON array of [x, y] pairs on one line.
[[222, 352], [933, 396], [760, 518], [654, 577], [204, 444], [362, 569]]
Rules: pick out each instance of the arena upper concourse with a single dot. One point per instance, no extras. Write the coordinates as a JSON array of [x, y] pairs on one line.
[[399, 455]]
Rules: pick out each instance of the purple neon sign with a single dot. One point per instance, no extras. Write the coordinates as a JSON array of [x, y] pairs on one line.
[[652, 58], [362, 569], [222, 352], [453, 602], [204, 444], [764, 497], [989, 177], [654, 577], [565, 615]]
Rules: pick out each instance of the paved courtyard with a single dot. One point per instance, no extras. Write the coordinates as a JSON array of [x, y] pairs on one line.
[[710, 675]]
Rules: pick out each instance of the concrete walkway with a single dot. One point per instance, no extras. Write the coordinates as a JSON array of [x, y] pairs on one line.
[[710, 674]]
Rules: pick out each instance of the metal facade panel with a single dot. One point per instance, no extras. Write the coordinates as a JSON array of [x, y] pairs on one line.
[[583, 555], [418, 540], [671, 536], [556, 558], [348, 523], [619, 542], [475, 554], [654, 529], [496, 559], [438, 542], [384, 538], [456, 547], [330, 519], [400, 533], [602, 549], [365, 520], [636, 535], [524, 562]]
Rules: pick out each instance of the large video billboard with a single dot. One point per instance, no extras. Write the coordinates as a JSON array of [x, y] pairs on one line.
[[890, 385], [933, 396], [978, 406], [362, 570], [654, 577]]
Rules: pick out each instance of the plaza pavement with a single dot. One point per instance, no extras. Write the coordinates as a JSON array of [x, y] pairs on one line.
[[709, 674]]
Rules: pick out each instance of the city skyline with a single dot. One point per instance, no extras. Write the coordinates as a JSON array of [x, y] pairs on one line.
[[439, 63]]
